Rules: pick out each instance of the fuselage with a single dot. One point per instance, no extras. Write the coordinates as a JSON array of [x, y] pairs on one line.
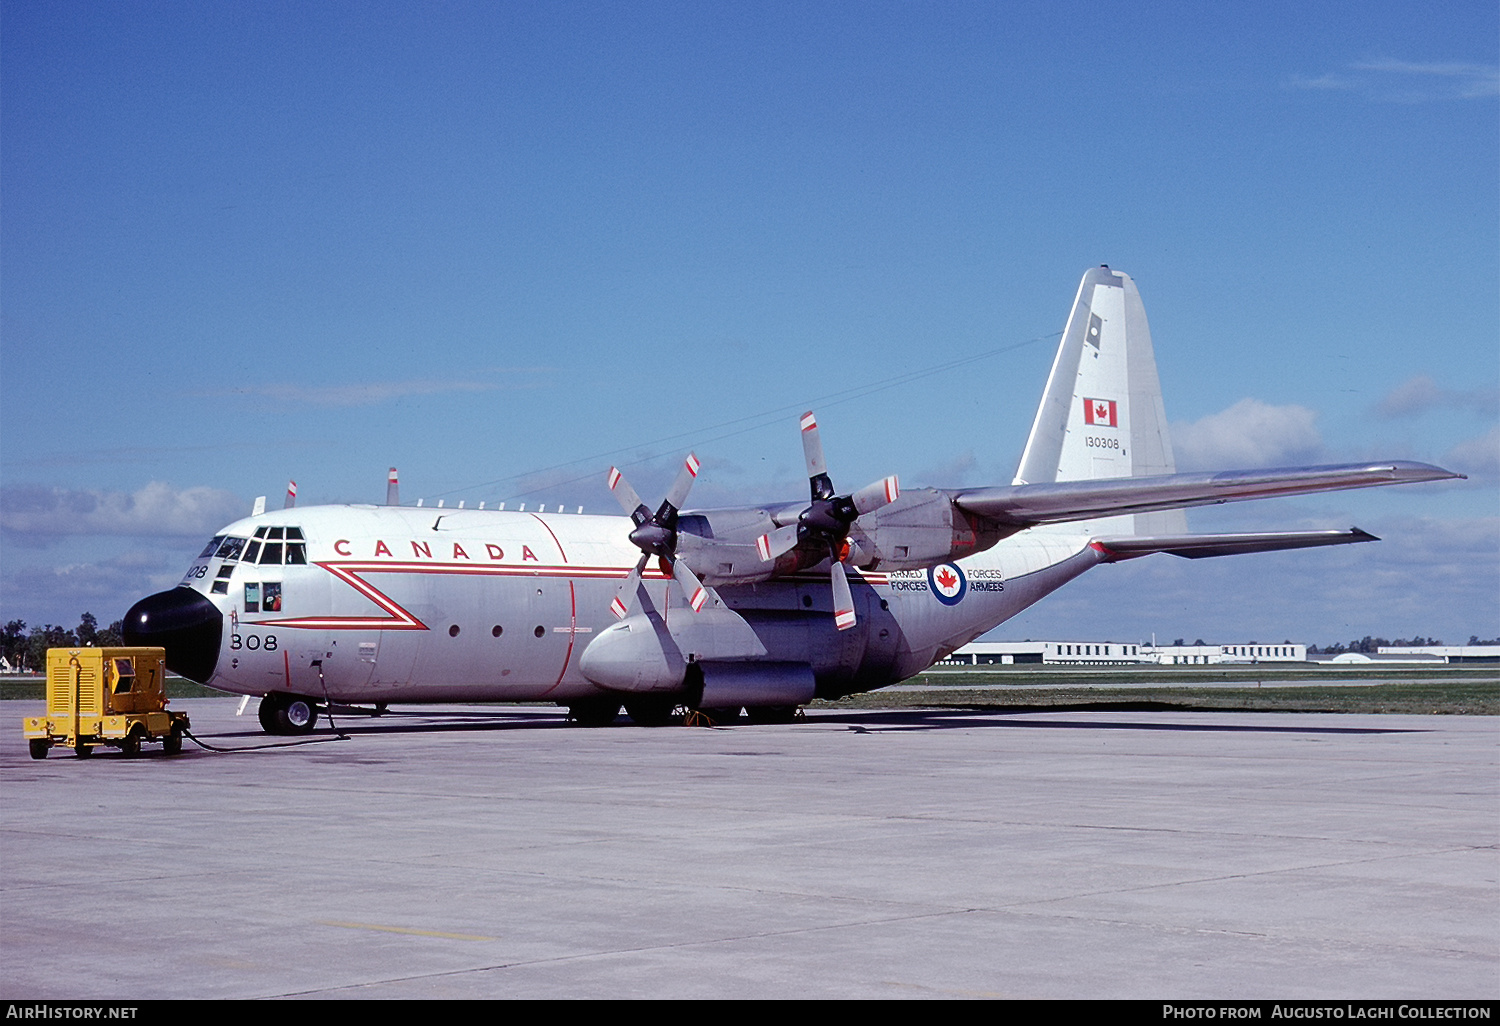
[[411, 604]]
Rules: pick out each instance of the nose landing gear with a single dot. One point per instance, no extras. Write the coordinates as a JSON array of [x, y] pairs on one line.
[[281, 713]]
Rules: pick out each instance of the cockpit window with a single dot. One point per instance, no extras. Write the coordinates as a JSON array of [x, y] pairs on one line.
[[213, 547], [231, 548], [273, 545]]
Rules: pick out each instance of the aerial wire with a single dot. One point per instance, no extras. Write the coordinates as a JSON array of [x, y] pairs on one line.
[[746, 424]]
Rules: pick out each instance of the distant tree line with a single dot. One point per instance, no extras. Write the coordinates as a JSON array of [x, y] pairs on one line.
[[1371, 646], [27, 650]]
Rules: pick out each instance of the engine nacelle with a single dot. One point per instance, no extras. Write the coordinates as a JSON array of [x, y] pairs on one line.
[[920, 529]]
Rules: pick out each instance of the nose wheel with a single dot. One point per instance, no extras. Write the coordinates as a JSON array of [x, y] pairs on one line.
[[287, 714]]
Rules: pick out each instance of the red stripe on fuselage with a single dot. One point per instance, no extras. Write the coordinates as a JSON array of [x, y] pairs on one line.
[[353, 574]]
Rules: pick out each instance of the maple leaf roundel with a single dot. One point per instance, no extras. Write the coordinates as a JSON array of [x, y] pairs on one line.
[[947, 582]]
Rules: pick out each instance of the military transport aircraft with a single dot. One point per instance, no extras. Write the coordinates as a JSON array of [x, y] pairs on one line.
[[759, 608]]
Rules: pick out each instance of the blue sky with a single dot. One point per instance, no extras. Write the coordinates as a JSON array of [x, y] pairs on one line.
[[501, 246]]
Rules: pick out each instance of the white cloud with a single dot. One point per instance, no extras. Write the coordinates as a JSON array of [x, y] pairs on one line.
[[1477, 457], [1421, 394], [1250, 433], [1399, 81], [363, 394], [59, 593], [39, 515]]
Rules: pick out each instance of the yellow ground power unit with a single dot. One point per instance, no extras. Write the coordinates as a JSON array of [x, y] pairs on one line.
[[106, 696]]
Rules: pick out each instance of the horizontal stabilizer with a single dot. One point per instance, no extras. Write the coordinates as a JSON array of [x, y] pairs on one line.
[[1021, 506], [1200, 546]]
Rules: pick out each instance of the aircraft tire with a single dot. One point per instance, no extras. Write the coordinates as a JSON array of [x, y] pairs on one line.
[[772, 713], [288, 714], [297, 715], [596, 712], [653, 712]]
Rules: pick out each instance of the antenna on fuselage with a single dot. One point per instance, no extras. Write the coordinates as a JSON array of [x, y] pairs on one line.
[[392, 489], [291, 495]]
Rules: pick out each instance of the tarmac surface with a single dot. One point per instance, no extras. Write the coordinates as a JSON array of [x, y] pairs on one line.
[[491, 852]]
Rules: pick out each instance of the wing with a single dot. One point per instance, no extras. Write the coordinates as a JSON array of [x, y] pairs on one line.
[[1200, 546], [1028, 505]]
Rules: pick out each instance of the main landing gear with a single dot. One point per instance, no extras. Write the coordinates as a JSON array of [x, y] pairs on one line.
[[281, 713]]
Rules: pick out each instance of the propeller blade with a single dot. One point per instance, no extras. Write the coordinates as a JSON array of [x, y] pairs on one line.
[[776, 543], [685, 476], [843, 600], [629, 501], [881, 493], [697, 595], [812, 446], [625, 597]]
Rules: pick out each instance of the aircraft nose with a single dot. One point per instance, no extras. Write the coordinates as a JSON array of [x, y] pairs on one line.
[[184, 623]]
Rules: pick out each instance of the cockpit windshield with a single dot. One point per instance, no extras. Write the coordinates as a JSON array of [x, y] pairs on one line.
[[277, 545], [212, 547], [231, 548]]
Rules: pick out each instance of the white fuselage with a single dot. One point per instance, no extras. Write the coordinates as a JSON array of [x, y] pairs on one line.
[[417, 604]]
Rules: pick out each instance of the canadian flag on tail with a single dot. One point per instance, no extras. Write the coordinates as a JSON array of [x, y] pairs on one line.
[[1101, 412]]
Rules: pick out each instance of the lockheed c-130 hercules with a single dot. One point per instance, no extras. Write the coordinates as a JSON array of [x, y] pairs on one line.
[[761, 608]]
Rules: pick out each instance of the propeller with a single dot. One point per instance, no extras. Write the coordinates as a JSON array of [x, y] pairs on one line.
[[655, 534], [824, 525]]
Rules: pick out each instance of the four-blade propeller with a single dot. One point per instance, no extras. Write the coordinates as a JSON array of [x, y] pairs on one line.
[[824, 525], [655, 534], [822, 529]]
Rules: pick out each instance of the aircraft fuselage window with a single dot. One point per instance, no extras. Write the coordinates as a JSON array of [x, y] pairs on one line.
[[271, 598], [252, 598]]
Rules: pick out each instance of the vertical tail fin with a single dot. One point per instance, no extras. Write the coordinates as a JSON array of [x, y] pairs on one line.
[[1101, 414]]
